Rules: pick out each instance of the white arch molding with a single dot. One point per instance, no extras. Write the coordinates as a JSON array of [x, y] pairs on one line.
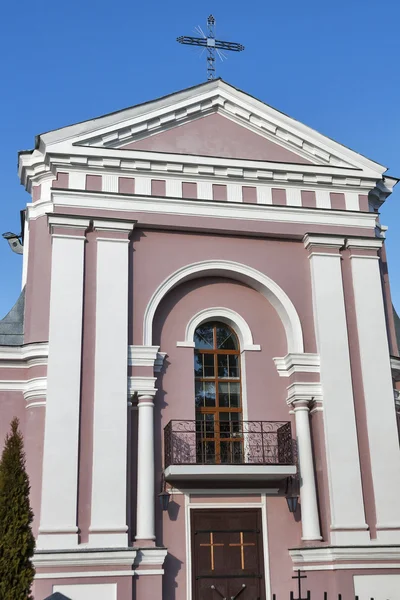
[[225, 315], [243, 273]]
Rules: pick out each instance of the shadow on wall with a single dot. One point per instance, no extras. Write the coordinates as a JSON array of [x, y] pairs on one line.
[[172, 566]]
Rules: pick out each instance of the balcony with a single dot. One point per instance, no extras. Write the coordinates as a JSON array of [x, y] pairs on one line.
[[228, 451]]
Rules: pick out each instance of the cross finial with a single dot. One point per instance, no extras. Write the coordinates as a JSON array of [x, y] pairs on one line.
[[212, 45]]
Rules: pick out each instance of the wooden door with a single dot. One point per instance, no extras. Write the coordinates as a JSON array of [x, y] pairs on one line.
[[227, 554]]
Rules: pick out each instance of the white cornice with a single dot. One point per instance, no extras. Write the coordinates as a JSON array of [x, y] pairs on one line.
[[204, 208], [297, 363], [204, 99], [85, 559], [30, 355], [142, 356], [364, 243], [304, 556]]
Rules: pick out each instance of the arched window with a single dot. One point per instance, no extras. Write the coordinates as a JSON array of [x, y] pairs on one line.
[[217, 394]]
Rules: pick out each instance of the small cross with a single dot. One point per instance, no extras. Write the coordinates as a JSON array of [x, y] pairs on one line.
[[211, 545], [242, 546], [299, 577]]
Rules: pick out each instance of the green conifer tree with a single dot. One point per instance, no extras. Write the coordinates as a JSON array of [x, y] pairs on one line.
[[17, 543]]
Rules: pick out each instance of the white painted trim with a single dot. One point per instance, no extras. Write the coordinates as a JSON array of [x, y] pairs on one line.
[[24, 356], [218, 491], [150, 556], [70, 221], [93, 574], [267, 569], [226, 315], [236, 472], [297, 363], [333, 553], [142, 356], [276, 296], [216, 95], [349, 567], [217, 210], [143, 386], [364, 243], [304, 390], [113, 225], [85, 559]]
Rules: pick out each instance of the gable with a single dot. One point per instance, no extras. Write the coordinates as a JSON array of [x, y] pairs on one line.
[[216, 135]]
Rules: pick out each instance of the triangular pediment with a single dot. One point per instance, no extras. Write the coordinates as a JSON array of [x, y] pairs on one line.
[[216, 135], [212, 119]]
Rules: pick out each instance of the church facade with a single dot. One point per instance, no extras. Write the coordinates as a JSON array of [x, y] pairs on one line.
[[204, 357]]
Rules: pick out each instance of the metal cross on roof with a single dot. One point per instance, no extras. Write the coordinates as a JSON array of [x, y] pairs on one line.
[[209, 43]]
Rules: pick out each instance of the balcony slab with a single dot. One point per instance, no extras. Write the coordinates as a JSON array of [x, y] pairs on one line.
[[228, 472]]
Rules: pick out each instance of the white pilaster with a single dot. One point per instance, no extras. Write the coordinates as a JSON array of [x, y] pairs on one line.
[[108, 527], [378, 387], [308, 491], [145, 528], [344, 476], [58, 523]]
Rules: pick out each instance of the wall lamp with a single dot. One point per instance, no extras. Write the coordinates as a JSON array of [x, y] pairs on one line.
[[164, 496], [292, 493]]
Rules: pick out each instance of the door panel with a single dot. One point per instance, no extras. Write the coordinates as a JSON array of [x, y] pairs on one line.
[[227, 554]]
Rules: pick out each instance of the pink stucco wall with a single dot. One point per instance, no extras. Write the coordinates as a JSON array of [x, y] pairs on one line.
[[37, 300], [158, 254], [33, 442], [233, 141]]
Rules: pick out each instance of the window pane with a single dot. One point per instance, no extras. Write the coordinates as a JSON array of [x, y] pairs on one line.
[[226, 338], [234, 395], [223, 395], [198, 365], [204, 337], [233, 361], [223, 367], [208, 365], [229, 394], [205, 393]]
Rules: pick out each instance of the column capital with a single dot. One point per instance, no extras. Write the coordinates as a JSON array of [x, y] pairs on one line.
[[323, 244], [364, 247], [72, 226], [300, 391], [142, 386], [114, 225]]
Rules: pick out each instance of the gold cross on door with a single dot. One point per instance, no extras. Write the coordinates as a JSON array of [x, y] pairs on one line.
[[242, 545], [211, 545]]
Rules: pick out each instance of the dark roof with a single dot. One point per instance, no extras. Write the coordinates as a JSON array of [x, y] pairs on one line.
[[12, 326]]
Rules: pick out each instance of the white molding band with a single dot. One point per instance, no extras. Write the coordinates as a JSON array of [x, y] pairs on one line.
[[108, 527], [343, 465], [251, 277], [58, 524], [378, 394], [226, 315], [297, 363]]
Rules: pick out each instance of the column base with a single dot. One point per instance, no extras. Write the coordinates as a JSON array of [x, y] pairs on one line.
[[387, 536], [351, 537], [108, 539], [57, 541], [145, 542]]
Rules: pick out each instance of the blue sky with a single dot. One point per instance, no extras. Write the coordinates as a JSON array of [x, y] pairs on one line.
[[333, 66]]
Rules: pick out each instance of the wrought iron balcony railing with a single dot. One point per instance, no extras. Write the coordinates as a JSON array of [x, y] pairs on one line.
[[228, 442]]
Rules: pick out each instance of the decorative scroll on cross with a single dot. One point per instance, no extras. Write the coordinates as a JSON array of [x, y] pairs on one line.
[[211, 44]]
